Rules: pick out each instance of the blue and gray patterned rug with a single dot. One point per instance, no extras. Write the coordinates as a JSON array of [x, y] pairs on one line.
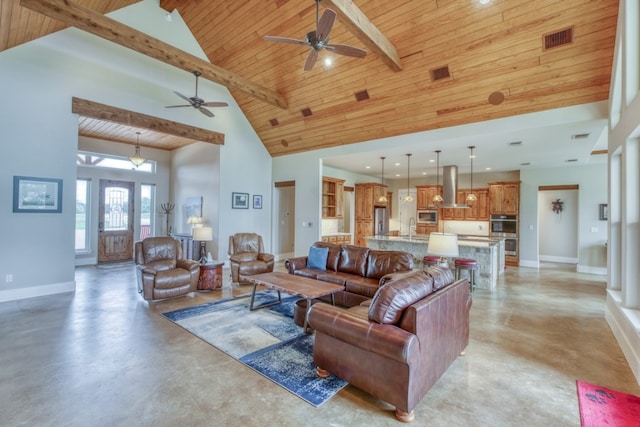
[[266, 340]]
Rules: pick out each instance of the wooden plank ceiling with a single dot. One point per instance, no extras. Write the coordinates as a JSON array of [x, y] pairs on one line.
[[494, 55]]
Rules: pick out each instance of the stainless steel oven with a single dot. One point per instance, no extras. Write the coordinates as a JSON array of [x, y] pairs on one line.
[[506, 227]]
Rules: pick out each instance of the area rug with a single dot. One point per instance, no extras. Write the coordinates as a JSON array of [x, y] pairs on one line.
[[600, 406], [266, 340]]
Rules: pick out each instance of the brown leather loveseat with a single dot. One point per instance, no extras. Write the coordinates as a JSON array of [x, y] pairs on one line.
[[358, 269], [397, 345]]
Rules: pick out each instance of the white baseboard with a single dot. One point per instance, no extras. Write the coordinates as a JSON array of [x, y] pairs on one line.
[[36, 291], [529, 263], [625, 325], [81, 262], [561, 259], [602, 271]]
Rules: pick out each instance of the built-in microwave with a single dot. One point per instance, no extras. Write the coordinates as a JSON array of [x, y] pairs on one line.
[[428, 217]]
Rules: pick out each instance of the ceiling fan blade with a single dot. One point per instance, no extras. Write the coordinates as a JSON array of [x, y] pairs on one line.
[[214, 104], [205, 112], [176, 106], [343, 49], [184, 97], [285, 40], [325, 24], [311, 60]]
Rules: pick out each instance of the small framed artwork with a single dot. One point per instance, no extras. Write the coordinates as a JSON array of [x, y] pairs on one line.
[[41, 195], [604, 212], [257, 201], [240, 200]]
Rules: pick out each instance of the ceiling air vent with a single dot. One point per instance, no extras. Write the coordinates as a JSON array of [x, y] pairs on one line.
[[515, 144], [571, 160], [580, 136], [306, 112], [284, 143], [559, 38], [274, 122], [362, 95], [525, 164], [440, 73]]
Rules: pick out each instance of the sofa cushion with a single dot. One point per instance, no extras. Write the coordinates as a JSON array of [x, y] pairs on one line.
[[442, 276], [353, 260], [361, 286], [317, 258], [380, 263], [334, 277], [307, 272], [390, 301]]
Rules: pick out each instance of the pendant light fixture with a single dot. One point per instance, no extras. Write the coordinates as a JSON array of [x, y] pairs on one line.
[[471, 197], [437, 198], [383, 197], [137, 159], [408, 198]]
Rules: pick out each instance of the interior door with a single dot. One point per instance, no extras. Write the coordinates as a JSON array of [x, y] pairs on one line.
[[115, 222]]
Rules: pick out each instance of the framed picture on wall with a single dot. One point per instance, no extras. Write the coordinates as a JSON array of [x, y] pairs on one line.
[[240, 200], [41, 195], [604, 212], [257, 201]]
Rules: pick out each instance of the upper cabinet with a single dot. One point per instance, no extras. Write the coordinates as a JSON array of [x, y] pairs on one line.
[[332, 197], [504, 198], [367, 197], [425, 194]]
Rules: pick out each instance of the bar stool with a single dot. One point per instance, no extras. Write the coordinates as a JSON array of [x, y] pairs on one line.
[[471, 265], [430, 260]]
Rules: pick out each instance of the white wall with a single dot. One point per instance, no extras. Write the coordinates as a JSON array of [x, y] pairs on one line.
[[559, 230], [592, 181]]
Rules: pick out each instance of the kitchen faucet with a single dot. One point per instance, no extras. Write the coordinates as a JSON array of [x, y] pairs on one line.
[[412, 219]]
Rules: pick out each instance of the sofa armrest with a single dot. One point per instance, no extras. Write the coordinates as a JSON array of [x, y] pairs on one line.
[[188, 264], [293, 264], [266, 257], [387, 340], [148, 270]]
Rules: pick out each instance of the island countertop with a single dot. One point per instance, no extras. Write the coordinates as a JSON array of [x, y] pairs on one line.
[[488, 252]]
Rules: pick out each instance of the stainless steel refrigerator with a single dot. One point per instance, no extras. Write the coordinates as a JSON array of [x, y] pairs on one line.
[[381, 221]]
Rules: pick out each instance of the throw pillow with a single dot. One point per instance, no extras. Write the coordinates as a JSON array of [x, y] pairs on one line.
[[317, 258]]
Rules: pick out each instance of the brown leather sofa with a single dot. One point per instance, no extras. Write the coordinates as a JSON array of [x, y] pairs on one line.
[[397, 345], [162, 272], [358, 269], [247, 256]]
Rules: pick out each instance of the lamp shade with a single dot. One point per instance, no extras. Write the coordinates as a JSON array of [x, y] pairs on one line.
[[443, 244], [203, 233]]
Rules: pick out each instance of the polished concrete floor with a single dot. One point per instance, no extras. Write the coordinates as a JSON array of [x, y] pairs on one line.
[[103, 357]]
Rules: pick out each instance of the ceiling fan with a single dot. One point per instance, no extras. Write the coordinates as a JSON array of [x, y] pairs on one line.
[[319, 39], [198, 103]]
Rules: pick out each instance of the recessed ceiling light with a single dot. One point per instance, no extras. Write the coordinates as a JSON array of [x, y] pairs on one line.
[[424, 173], [432, 161], [397, 174], [168, 17], [367, 167], [487, 169], [396, 164]]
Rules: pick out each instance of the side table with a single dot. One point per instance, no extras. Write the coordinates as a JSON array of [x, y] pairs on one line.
[[210, 276]]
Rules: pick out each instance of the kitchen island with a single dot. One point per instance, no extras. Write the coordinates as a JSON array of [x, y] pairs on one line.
[[488, 252]]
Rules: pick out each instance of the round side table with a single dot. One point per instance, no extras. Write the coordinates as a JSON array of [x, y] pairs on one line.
[[210, 276]]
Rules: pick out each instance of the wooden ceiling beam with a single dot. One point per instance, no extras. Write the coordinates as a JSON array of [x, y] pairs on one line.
[[102, 26], [121, 116], [360, 26]]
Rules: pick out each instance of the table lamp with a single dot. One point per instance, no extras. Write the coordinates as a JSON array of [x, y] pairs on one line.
[[443, 244], [203, 235]]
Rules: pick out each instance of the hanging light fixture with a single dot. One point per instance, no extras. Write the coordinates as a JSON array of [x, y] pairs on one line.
[[383, 197], [137, 159], [408, 198], [437, 198], [471, 197]]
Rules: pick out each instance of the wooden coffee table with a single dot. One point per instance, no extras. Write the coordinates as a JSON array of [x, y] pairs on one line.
[[304, 287]]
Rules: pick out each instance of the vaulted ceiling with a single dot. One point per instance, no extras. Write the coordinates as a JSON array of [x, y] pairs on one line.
[[459, 61]]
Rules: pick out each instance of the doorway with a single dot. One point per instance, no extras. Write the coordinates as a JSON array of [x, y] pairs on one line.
[[285, 200], [558, 224], [115, 221]]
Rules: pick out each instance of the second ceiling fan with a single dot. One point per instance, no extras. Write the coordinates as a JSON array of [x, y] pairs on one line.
[[197, 102], [319, 39]]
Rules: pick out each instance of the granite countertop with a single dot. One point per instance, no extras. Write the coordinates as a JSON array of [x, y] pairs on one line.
[[336, 234], [464, 241]]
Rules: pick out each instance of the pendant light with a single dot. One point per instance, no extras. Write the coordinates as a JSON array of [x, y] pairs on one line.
[[383, 197], [408, 198], [137, 159], [471, 197], [437, 198]]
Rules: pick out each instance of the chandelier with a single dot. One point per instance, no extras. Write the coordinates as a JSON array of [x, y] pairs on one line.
[[137, 159]]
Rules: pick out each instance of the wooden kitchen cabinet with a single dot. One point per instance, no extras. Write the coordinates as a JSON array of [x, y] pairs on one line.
[[479, 210], [426, 228], [364, 229], [504, 198], [425, 195], [366, 198], [332, 197]]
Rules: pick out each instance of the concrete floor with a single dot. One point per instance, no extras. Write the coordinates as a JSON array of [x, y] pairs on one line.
[[103, 357]]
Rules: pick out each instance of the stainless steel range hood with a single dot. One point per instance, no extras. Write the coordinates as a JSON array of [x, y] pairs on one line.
[[449, 189]]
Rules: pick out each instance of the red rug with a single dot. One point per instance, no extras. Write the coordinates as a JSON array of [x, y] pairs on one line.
[[600, 406]]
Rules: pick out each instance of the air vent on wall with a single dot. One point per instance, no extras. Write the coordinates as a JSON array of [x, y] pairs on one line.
[[580, 135], [559, 38], [306, 112], [515, 144], [362, 95], [571, 160], [440, 73]]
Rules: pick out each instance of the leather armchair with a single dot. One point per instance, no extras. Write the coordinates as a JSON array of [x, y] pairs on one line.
[[161, 269], [247, 256]]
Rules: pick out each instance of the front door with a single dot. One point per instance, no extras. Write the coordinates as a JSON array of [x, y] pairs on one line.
[[115, 222]]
